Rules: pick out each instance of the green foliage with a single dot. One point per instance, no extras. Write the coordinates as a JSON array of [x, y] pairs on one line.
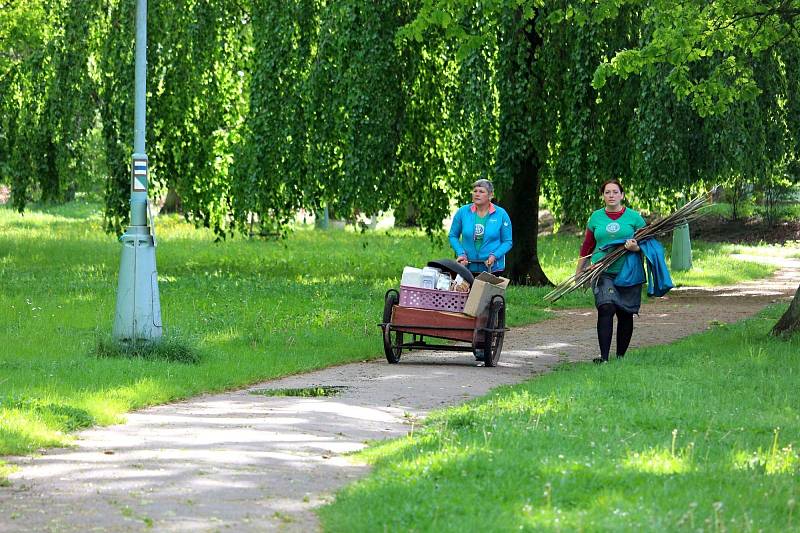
[[257, 110], [196, 103], [199, 102], [272, 178], [357, 95], [23, 146], [71, 99], [115, 65], [47, 108], [646, 129], [701, 432], [724, 35], [447, 130], [342, 117], [591, 131], [522, 121], [475, 116]]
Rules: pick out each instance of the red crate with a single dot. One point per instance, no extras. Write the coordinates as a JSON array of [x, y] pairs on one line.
[[433, 299]]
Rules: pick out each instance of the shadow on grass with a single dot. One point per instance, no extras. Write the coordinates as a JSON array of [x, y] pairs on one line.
[[64, 417]]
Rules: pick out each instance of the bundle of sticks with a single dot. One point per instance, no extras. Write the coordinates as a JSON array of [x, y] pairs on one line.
[[689, 212]]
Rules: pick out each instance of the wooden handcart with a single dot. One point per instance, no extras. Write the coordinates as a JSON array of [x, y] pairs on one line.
[[484, 333]]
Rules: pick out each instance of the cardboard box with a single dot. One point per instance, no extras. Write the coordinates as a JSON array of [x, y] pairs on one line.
[[483, 288]]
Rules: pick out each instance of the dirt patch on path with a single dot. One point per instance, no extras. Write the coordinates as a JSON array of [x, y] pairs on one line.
[[248, 462]]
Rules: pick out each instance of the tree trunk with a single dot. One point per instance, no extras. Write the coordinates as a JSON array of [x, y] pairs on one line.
[[407, 215], [519, 149], [172, 203], [522, 204], [789, 324]]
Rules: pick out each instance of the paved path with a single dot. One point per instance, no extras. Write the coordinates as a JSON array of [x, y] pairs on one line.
[[239, 461]]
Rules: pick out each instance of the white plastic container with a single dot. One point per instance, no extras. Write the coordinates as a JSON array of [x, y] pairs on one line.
[[412, 277], [429, 277], [443, 282]]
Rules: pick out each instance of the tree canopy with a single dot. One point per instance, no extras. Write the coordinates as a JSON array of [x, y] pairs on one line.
[[256, 111]]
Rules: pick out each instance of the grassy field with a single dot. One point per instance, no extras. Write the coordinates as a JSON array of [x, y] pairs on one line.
[[786, 210], [700, 435], [252, 309]]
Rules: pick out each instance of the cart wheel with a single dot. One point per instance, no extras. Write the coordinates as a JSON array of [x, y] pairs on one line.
[[391, 349], [493, 341]]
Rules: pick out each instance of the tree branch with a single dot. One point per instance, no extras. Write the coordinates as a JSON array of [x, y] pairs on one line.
[[786, 12]]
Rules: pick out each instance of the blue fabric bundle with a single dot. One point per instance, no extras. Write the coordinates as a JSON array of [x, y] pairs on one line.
[[659, 282]]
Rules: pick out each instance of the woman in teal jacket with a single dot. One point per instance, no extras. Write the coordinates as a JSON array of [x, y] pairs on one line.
[[481, 231]]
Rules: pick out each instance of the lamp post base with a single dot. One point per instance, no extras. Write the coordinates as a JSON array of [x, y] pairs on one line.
[[138, 313]]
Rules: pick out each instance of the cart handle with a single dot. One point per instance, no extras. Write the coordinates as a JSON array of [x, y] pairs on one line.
[[488, 268]]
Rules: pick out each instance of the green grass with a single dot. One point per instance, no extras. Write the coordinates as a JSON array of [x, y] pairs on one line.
[[788, 210], [725, 210], [713, 265], [5, 470], [702, 434], [253, 309], [242, 311]]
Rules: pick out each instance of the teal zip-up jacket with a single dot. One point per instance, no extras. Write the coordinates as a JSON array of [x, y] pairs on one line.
[[497, 237]]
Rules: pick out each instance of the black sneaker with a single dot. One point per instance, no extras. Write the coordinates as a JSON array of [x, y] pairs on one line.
[[599, 360]]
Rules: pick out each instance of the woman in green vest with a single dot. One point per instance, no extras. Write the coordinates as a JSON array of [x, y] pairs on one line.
[[612, 223]]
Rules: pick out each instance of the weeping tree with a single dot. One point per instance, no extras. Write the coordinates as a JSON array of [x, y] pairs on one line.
[[514, 72], [196, 86], [589, 140], [47, 98], [440, 125], [115, 60], [340, 116], [652, 43], [521, 152], [554, 129], [668, 146], [198, 101], [357, 103], [271, 178]]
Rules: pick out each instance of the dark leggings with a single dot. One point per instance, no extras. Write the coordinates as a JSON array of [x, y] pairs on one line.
[[605, 326]]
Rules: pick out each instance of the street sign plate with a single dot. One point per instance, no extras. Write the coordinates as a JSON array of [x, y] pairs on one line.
[[139, 178]]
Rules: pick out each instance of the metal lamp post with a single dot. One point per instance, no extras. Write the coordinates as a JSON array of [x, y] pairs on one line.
[[138, 313]]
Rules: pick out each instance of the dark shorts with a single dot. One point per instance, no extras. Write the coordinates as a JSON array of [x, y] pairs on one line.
[[629, 299]]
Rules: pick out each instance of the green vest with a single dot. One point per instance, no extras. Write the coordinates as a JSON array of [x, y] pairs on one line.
[[606, 230]]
